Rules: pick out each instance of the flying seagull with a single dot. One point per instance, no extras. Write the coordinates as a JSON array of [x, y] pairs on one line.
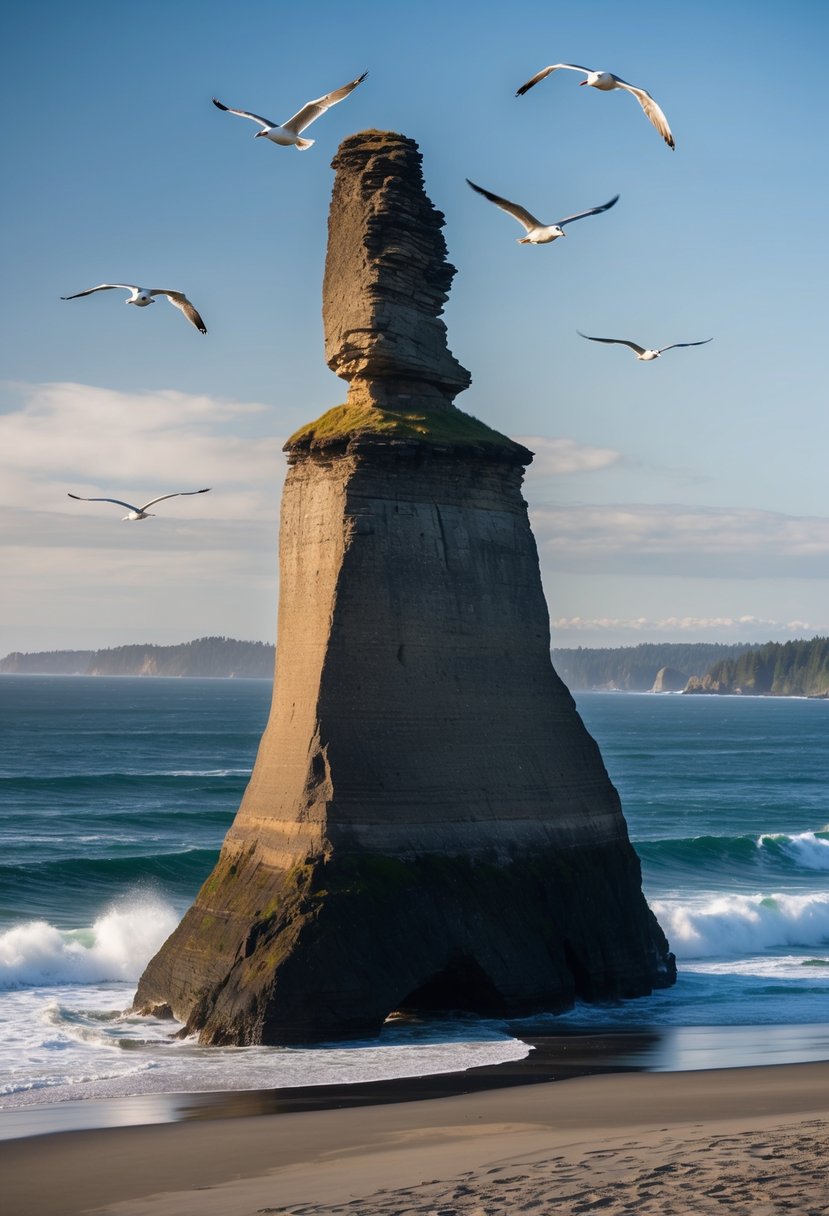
[[606, 81], [642, 352], [288, 133], [537, 233], [139, 512], [142, 296]]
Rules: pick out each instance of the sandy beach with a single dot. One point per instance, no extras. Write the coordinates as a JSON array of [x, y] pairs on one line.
[[748, 1141]]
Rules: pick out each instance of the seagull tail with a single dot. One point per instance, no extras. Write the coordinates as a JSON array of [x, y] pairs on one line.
[[302, 145]]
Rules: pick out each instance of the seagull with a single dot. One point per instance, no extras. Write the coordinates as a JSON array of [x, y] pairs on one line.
[[288, 133], [606, 81], [139, 512], [537, 233], [142, 296], [642, 352]]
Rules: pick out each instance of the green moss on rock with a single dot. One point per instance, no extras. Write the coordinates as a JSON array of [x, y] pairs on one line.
[[445, 427]]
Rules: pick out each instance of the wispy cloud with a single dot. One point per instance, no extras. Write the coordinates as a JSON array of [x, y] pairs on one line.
[[670, 539], [565, 456], [673, 625], [205, 565], [66, 436]]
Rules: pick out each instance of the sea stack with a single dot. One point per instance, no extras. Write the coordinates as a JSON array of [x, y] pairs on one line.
[[428, 825]]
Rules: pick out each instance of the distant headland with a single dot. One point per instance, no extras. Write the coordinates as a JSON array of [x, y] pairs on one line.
[[797, 668], [771, 669], [216, 657]]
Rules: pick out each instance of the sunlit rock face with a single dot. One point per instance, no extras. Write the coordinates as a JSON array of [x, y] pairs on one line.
[[428, 824], [387, 278]]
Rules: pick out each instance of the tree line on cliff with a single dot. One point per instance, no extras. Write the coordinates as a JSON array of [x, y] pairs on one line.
[[634, 668], [777, 669]]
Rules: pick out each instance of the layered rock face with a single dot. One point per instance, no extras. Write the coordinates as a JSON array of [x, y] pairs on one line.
[[428, 824], [387, 279]]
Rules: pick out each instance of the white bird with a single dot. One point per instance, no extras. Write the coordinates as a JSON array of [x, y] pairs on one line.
[[139, 512], [642, 352], [607, 81], [142, 296], [288, 133], [538, 233]]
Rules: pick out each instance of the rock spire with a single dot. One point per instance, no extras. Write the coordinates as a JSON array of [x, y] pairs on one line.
[[387, 278], [428, 824]]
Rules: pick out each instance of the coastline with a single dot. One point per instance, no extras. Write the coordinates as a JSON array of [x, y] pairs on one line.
[[636, 1141], [550, 1058]]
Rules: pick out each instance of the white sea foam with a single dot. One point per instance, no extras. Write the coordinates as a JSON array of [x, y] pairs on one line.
[[744, 924], [70, 1043], [812, 970], [116, 947], [806, 849], [203, 772]]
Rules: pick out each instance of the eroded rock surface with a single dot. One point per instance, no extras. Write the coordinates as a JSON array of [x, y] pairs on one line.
[[387, 278], [428, 823]]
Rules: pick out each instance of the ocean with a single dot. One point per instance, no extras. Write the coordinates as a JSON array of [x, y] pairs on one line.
[[117, 792]]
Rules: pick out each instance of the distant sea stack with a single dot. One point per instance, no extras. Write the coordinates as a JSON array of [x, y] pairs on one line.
[[668, 679], [428, 824]]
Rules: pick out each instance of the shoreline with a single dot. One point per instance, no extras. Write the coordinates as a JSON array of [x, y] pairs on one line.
[[568, 1053], [551, 1058], [621, 1142]]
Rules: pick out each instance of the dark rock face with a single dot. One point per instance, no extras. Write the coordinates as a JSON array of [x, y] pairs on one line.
[[428, 824]]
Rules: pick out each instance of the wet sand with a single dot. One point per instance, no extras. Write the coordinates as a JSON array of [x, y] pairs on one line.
[[749, 1141]]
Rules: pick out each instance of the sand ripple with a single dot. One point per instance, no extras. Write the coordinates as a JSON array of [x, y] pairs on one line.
[[756, 1173]]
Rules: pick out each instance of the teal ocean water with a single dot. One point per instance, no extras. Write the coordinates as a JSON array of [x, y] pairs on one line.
[[115, 795]]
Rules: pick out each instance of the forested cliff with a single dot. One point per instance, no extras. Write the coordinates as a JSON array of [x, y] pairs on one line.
[[635, 668], [781, 669]]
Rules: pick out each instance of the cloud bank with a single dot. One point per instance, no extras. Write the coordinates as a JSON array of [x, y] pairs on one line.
[[675, 540], [673, 626], [562, 457], [99, 441]]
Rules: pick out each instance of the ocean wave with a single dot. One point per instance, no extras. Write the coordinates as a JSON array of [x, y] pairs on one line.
[[65, 1080], [743, 924], [85, 781], [117, 946], [808, 850], [802, 851], [184, 865]]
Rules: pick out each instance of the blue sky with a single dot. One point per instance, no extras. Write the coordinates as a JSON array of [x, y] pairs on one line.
[[680, 500]]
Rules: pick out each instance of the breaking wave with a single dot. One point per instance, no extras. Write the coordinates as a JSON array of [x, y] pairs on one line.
[[744, 924], [117, 946]]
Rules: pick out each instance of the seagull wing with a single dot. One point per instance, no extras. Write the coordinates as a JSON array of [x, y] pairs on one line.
[[518, 212], [673, 345], [574, 67], [593, 211], [178, 494], [652, 110], [640, 350], [264, 123], [119, 501], [179, 300], [101, 287], [312, 110]]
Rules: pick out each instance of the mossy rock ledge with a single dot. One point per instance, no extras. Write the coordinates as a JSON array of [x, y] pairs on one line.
[[354, 426]]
